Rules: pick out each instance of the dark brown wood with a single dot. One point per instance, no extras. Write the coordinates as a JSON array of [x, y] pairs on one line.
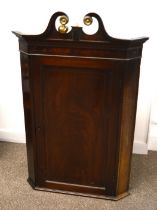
[[80, 94]]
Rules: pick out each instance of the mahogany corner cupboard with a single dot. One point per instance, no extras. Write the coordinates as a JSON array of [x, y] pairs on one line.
[[80, 94]]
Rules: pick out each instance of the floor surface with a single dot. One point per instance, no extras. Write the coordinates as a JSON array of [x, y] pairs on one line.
[[16, 193]]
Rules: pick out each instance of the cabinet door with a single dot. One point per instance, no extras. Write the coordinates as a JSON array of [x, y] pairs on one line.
[[76, 105]]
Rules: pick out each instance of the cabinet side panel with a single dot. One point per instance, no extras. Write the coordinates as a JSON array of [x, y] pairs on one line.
[[28, 113], [130, 91]]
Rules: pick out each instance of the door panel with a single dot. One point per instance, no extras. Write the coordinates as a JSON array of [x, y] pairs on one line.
[[75, 111], [74, 126]]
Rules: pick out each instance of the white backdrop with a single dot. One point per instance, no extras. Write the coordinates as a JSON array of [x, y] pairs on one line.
[[122, 19]]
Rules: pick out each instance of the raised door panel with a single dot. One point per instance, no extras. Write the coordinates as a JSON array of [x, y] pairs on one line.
[[76, 126]]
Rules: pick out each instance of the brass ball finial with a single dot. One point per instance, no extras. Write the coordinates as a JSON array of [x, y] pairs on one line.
[[64, 20], [63, 28], [88, 20]]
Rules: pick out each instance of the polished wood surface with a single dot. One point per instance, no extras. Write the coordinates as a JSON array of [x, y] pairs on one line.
[[80, 94]]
